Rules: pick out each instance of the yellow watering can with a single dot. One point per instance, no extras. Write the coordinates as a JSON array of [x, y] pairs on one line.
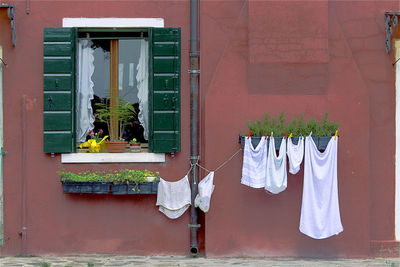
[[93, 146]]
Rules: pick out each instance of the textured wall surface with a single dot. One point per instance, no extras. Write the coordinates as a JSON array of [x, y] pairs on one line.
[[256, 57]]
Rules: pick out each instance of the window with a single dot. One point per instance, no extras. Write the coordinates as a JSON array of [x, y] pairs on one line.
[[62, 81]]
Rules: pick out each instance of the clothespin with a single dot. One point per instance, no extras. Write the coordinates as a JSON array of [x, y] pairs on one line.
[[272, 134], [249, 134], [266, 134], [285, 135], [290, 135], [336, 134]]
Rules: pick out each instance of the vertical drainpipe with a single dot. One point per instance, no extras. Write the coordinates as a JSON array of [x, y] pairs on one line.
[[194, 115]]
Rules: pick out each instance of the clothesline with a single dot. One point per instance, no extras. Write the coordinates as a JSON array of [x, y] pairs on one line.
[[216, 169]]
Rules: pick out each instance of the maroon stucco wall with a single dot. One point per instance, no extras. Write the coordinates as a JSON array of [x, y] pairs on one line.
[[303, 57], [256, 56], [61, 223]]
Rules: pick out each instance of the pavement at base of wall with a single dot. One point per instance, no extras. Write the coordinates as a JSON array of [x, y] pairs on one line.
[[164, 261]]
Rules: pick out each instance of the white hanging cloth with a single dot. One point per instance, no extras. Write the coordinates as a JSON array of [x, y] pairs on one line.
[[206, 188], [254, 163], [173, 198], [320, 215], [276, 178], [295, 154], [85, 117], [142, 79]]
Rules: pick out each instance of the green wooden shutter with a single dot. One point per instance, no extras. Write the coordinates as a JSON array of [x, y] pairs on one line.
[[59, 90], [164, 89]]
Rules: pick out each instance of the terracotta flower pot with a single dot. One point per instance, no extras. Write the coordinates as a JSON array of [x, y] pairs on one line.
[[116, 146]]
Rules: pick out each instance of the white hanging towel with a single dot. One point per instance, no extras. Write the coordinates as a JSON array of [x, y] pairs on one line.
[[206, 188], [276, 178], [173, 198], [295, 154], [320, 215], [254, 163]]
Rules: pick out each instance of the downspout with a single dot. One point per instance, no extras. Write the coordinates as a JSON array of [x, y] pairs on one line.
[[194, 115]]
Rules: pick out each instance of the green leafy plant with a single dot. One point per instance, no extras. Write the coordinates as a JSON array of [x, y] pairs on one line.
[[125, 176], [297, 126], [122, 110], [134, 141], [45, 264]]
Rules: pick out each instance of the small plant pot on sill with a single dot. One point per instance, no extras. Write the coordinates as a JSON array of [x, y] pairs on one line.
[[135, 148], [116, 146], [86, 187], [320, 141]]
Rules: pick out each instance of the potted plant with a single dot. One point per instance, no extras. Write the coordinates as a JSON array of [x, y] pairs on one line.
[[135, 146], [124, 181], [85, 182], [129, 181], [321, 131], [122, 112]]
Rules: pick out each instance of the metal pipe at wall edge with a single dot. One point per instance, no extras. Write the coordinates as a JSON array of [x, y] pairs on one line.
[[194, 115]]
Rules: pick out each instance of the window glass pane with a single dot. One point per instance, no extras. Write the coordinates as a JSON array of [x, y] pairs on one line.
[[133, 85], [101, 75], [129, 53]]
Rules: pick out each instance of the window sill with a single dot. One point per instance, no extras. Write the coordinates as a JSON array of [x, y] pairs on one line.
[[112, 157]]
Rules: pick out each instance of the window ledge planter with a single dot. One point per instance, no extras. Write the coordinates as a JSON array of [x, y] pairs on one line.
[[320, 141], [86, 187], [117, 182], [132, 189]]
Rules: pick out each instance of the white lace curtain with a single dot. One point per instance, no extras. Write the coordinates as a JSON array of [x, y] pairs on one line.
[[143, 87], [85, 117]]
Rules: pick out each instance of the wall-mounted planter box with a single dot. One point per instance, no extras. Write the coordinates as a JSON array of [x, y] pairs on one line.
[[86, 187], [131, 189], [321, 142]]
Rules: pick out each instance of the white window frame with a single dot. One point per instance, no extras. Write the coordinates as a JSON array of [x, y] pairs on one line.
[[112, 157]]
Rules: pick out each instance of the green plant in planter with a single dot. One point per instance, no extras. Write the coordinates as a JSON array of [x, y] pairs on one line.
[[84, 176], [297, 126], [128, 176], [134, 141], [123, 110]]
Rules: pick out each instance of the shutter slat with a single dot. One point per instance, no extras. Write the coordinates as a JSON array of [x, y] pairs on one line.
[[59, 90], [164, 102]]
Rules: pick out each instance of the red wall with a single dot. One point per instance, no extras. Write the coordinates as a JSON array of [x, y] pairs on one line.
[[256, 57], [303, 57], [62, 223]]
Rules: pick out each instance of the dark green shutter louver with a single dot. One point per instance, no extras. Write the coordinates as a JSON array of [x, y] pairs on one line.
[[165, 87], [59, 90]]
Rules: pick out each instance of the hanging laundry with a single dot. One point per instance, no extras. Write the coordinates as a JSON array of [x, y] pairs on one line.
[[173, 198], [295, 154], [206, 188], [320, 215], [254, 163], [276, 178]]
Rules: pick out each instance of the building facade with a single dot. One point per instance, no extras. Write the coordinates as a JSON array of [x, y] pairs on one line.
[[255, 57]]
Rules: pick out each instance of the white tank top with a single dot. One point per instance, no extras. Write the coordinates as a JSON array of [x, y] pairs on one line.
[[320, 215], [276, 178], [254, 163], [295, 154]]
